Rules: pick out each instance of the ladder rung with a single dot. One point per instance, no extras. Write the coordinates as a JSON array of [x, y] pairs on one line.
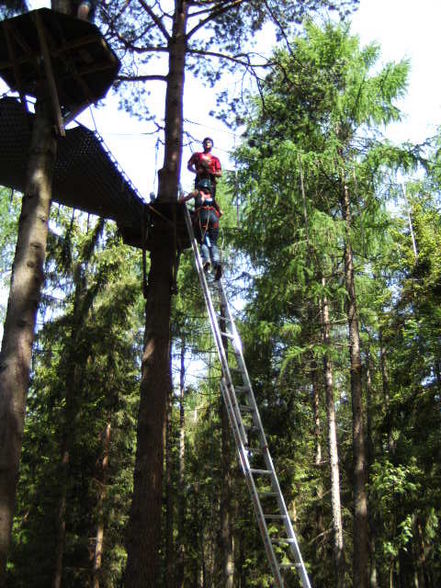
[[245, 408], [281, 540], [275, 517], [228, 335], [289, 566], [223, 318], [261, 472]]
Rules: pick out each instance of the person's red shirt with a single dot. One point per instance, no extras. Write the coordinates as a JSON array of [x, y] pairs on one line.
[[205, 164]]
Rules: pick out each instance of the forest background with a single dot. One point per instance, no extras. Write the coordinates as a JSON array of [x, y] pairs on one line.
[[83, 397]]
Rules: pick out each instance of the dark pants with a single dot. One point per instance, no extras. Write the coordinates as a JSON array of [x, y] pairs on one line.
[[207, 233]]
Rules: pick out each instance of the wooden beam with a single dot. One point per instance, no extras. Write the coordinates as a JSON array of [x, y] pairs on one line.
[[52, 87], [15, 67]]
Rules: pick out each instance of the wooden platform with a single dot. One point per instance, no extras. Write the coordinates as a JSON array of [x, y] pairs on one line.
[[72, 59], [82, 63]]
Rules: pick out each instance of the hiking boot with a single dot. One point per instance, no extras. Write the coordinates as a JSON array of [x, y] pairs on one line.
[[206, 265]]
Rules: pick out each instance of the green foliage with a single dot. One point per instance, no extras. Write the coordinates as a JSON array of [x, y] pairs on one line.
[[85, 378], [314, 130], [9, 211]]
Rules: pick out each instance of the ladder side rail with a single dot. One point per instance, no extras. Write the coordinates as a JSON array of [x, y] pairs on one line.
[[293, 544], [237, 348], [233, 408], [212, 316], [241, 362], [261, 521], [235, 418]]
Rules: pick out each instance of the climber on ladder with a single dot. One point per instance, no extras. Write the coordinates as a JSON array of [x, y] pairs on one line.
[[206, 225], [272, 515]]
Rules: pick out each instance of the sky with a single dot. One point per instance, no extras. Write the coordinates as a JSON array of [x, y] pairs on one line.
[[408, 29], [403, 28]]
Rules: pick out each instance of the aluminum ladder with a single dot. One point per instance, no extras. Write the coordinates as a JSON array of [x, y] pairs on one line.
[[273, 519]]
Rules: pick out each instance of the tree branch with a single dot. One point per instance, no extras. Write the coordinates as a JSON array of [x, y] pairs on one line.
[[156, 19], [214, 14], [279, 26], [130, 46], [235, 59], [141, 78]]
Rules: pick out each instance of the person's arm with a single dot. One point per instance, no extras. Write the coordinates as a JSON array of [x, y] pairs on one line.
[[183, 199], [191, 164]]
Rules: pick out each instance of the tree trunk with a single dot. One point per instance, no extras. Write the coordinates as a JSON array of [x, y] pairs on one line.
[[72, 399], [318, 456], [373, 576], [179, 574], [169, 523], [24, 296], [360, 559], [333, 449], [61, 514], [316, 412], [144, 527], [70, 414], [99, 541], [386, 394], [177, 46], [226, 503]]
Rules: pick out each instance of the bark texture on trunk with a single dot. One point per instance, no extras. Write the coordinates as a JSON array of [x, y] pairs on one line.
[[333, 450], [24, 297], [360, 559], [169, 523], [180, 564], [102, 476], [144, 527]]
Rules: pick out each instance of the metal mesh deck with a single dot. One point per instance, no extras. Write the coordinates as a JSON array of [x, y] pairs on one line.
[[86, 175]]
